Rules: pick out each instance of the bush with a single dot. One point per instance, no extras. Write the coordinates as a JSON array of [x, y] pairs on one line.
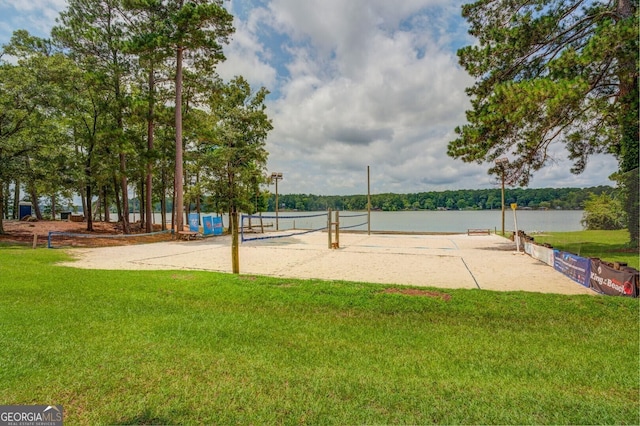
[[603, 212]]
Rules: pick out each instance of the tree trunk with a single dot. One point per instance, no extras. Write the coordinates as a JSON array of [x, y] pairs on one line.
[[87, 173], [628, 156], [173, 209], [16, 200], [163, 200], [34, 201], [117, 195], [87, 213], [53, 207], [124, 184], [105, 202], [31, 188], [178, 205], [148, 208], [83, 199], [96, 212], [125, 194], [150, 136], [86, 205], [4, 199], [1, 207], [186, 204], [198, 204], [235, 252], [142, 204]]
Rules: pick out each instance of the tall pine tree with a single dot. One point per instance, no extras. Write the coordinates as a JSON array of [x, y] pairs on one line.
[[547, 71]]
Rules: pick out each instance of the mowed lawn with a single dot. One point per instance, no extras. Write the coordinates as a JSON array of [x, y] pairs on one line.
[[122, 347], [611, 246]]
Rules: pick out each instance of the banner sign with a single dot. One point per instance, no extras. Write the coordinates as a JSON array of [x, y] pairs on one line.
[[574, 267], [194, 222], [217, 226], [528, 247], [207, 225], [604, 279], [542, 253]]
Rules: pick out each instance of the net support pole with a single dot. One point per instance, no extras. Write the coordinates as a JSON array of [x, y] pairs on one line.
[[337, 223], [329, 227]]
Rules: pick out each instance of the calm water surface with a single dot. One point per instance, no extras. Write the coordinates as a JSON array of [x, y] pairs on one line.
[[460, 221], [436, 221]]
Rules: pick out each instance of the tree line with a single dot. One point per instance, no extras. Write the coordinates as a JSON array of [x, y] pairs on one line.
[[479, 199], [124, 94]]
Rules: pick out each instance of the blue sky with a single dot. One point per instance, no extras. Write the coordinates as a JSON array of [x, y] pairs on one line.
[[354, 83]]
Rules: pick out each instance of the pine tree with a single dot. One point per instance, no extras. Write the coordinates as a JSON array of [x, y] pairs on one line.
[[547, 71]]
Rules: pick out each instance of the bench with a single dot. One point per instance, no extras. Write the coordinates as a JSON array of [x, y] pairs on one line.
[[187, 235], [478, 231]]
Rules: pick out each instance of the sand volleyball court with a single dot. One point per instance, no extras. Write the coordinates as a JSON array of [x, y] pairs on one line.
[[486, 262]]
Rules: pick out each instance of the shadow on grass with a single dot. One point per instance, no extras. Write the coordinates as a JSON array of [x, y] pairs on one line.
[[15, 244], [599, 248]]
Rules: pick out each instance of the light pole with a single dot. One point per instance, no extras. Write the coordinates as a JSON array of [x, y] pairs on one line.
[[500, 162], [276, 176]]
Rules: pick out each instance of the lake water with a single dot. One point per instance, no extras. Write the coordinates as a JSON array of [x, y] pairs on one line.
[[529, 221]]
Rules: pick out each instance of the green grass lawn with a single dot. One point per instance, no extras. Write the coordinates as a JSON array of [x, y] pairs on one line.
[[612, 246], [117, 347]]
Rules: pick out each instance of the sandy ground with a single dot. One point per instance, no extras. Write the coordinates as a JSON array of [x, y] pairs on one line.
[[442, 261]]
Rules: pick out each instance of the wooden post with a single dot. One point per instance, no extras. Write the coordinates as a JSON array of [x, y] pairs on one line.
[[235, 255], [329, 226], [337, 223], [35, 240]]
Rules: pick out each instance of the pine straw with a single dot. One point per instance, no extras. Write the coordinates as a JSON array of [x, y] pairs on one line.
[[22, 233]]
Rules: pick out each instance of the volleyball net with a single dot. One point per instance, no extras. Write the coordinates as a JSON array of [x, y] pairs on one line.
[[57, 239], [266, 227], [350, 218]]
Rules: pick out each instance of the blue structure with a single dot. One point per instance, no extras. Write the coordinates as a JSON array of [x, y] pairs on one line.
[[194, 222], [24, 209]]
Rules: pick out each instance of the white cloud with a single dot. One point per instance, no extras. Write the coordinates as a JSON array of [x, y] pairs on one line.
[[362, 91], [245, 55], [354, 83]]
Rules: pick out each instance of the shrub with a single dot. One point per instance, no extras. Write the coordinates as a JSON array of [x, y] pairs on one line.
[[603, 212]]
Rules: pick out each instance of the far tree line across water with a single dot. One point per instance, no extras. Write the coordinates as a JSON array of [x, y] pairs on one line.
[[464, 199]]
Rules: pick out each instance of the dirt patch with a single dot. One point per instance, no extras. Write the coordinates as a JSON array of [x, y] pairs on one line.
[[417, 292], [22, 232], [248, 277], [183, 277]]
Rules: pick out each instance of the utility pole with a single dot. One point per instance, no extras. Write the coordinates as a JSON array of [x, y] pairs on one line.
[[276, 176], [500, 162]]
